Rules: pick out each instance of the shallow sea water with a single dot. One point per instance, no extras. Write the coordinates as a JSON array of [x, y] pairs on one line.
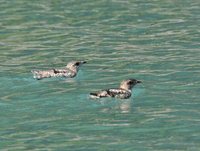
[[155, 41]]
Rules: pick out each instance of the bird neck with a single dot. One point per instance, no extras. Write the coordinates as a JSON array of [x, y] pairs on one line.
[[73, 69], [125, 88]]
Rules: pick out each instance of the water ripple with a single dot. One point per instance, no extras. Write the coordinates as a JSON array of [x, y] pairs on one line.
[[154, 41]]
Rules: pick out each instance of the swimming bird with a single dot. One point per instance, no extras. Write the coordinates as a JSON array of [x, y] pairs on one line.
[[123, 92], [69, 71]]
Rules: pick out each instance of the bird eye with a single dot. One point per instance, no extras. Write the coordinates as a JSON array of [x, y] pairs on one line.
[[77, 64], [130, 82]]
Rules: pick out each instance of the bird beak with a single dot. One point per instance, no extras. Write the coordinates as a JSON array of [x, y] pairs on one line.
[[138, 81], [83, 62]]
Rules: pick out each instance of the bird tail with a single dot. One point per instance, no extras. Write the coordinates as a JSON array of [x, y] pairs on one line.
[[36, 74], [94, 95]]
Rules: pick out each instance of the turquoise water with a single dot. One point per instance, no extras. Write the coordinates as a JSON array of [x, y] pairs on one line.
[[155, 41]]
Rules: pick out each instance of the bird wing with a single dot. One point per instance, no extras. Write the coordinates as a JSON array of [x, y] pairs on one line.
[[119, 93], [63, 73], [59, 71], [116, 91]]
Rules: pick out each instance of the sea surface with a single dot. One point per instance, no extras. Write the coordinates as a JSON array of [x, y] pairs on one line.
[[157, 42]]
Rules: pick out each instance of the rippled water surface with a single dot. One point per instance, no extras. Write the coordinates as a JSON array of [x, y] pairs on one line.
[[155, 41]]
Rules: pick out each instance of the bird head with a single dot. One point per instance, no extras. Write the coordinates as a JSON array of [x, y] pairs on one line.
[[129, 84], [74, 65]]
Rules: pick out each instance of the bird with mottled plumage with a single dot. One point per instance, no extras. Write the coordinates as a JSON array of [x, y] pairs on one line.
[[69, 71], [123, 92]]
